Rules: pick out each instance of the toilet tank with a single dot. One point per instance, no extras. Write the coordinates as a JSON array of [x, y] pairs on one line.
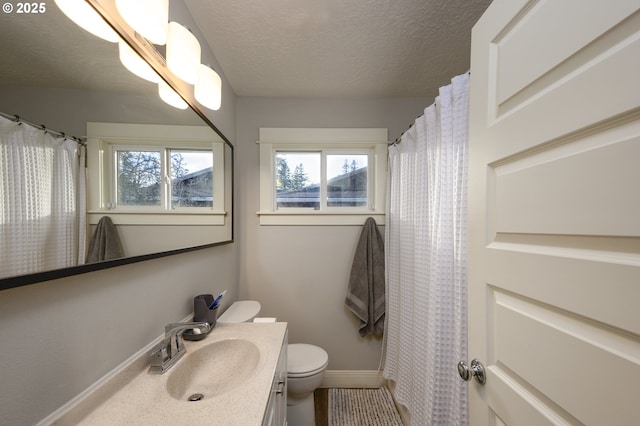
[[240, 311]]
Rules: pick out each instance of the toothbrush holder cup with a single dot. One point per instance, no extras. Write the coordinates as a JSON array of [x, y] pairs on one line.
[[201, 311]]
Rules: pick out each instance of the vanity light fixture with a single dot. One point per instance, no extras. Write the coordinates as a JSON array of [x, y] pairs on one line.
[[149, 18], [85, 16], [208, 88], [183, 53], [170, 96], [134, 63]]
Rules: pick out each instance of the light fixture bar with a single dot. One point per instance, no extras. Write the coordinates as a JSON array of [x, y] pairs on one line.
[[149, 18]]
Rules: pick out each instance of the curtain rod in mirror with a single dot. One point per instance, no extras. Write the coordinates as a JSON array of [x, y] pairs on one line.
[[56, 133]]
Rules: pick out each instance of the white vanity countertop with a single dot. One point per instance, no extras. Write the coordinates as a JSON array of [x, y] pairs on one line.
[[144, 399]]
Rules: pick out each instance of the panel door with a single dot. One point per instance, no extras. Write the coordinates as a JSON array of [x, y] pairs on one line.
[[554, 213]]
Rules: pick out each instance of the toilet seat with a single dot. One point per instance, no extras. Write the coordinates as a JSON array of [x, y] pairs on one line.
[[305, 360], [240, 311]]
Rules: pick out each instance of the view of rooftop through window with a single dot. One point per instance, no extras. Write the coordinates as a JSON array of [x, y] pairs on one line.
[[299, 179], [139, 178]]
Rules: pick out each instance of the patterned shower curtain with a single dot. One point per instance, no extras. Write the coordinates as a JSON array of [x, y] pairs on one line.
[[42, 200], [425, 232]]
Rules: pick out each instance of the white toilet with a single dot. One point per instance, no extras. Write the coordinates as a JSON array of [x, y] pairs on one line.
[[306, 365]]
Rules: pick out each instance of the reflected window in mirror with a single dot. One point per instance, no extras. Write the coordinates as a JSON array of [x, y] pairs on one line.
[[161, 185], [146, 174], [162, 177]]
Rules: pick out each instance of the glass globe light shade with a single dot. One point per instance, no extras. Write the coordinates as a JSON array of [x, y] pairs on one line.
[[183, 53], [170, 96], [208, 88], [134, 63], [85, 16]]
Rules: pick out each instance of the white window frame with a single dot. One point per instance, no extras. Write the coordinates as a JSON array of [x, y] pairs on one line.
[[373, 141], [102, 141]]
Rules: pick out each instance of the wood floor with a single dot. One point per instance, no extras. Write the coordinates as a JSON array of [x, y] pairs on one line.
[[321, 403]]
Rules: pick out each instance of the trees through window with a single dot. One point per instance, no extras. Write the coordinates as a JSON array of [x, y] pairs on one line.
[[163, 177], [322, 179]]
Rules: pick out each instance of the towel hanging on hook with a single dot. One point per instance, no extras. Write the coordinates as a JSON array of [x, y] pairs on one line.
[[366, 292]]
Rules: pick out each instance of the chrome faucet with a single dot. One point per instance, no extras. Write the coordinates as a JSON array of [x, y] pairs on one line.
[[167, 353]]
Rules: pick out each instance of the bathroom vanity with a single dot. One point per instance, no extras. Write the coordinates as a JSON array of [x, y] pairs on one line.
[[276, 412], [236, 375]]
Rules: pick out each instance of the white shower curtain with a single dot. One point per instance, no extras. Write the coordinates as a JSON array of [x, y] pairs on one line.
[[42, 200], [426, 331]]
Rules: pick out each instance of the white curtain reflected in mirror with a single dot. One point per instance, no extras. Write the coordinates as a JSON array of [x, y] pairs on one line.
[[42, 200]]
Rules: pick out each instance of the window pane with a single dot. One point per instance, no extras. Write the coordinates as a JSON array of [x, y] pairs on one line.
[[138, 178], [347, 180], [298, 179], [191, 178]]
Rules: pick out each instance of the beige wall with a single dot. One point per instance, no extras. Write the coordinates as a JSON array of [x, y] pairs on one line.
[[299, 273]]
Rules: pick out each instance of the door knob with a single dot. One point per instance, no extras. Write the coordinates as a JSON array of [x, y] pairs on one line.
[[476, 369]]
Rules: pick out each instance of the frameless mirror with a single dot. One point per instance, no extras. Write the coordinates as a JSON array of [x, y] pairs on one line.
[[55, 73]]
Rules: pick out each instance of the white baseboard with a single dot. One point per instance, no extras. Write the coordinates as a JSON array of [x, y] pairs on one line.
[[352, 379]]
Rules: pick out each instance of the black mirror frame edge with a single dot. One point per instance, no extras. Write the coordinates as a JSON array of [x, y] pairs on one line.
[[23, 280]]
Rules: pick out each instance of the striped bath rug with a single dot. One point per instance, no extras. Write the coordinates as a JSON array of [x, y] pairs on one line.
[[362, 407]]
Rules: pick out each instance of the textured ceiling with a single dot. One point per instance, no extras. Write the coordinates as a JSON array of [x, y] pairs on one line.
[[281, 48], [47, 50], [339, 48]]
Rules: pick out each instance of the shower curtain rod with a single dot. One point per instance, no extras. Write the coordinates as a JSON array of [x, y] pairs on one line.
[[17, 119], [397, 140]]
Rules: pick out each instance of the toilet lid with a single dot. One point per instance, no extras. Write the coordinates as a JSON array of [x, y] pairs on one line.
[[240, 311], [304, 358]]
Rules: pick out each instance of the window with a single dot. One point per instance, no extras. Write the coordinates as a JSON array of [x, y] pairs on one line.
[[322, 180], [162, 177], [156, 174], [322, 176]]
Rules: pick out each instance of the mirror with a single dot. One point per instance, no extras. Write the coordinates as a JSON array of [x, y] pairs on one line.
[[57, 74]]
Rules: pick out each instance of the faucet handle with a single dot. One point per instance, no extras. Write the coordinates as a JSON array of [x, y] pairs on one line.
[[169, 351], [159, 355]]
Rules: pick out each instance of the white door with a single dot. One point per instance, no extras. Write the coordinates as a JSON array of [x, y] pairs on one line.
[[554, 231]]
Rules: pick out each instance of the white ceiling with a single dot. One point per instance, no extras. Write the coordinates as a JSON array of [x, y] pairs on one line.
[[338, 48], [279, 48]]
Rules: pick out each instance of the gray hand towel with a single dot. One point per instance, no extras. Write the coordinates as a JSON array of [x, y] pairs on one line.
[[105, 243], [366, 292]]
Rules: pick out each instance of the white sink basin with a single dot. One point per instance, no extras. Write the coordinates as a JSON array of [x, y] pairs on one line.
[[233, 368], [213, 369]]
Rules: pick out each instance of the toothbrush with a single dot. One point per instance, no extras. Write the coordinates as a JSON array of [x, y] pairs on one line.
[[214, 304]]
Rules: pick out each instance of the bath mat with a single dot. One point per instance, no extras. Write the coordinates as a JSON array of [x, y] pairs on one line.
[[362, 407]]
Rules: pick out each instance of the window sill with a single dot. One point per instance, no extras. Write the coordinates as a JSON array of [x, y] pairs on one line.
[[315, 218], [211, 218]]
